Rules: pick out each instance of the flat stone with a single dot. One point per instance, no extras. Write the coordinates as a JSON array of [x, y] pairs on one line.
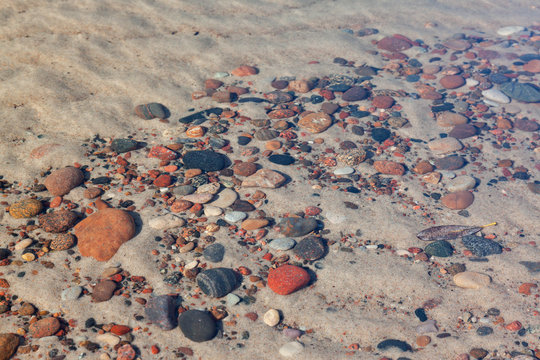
[[315, 122], [524, 92], [452, 162], [281, 159], [214, 253], [509, 30], [450, 119], [452, 81], [457, 44], [282, 244], [71, 293], [8, 345], [310, 248], [120, 146], [166, 222], [245, 70], [471, 280], [393, 343], [444, 145], [389, 167], [291, 349], [235, 216], [212, 210], [151, 111], [426, 327], [300, 86], [380, 134], [198, 198], [532, 66], [295, 227], [103, 290], [383, 101], [355, 93], [496, 95], [393, 44], [184, 190], [480, 246], [266, 134], [225, 198], [205, 160], [526, 125], [463, 131], [108, 338], [161, 311], [347, 170], [26, 208], [264, 178], [61, 181], [279, 97], [197, 325], [439, 248], [253, 224], [287, 279], [458, 200], [44, 327], [211, 188], [57, 221], [217, 282], [461, 183]]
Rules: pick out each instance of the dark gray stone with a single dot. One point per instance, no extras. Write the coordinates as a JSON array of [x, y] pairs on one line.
[[393, 343], [524, 92], [161, 311], [310, 248], [295, 227], [124, 145], [214, 253], [205, 160], [355, 93], [197, 325], [440, 248], [480, 246], [217, 282]]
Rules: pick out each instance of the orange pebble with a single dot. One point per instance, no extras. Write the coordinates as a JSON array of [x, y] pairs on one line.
[[170, 168], [154, 349], [56, 202]]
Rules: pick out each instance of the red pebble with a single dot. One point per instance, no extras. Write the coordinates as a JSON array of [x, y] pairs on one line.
[[126, 352], [252, 316], [525, 288], [162, 153], [163, 180], [120, 330], [154, 349], [514, 326], [287, 279], [312, 210]]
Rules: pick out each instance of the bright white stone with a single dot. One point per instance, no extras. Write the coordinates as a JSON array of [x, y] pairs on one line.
[[212, 210], [496, 95], [509, 30], [471, 82], [232, 299], [23, 244], [271, 317], [166, 222], [347, 170], [291, 349]]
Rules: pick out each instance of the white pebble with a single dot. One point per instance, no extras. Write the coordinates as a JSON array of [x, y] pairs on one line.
[[271, 317], [108, 338], [347, 170], [166, 222], [496, 95], [461, 183], [235, 216], [232, 299], [471, 82], [212, 210], [291, 349], [71, 293], [23, 244], [403, 252], [509, 30]]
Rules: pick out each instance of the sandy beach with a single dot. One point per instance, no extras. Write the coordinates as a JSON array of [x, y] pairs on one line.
[[248, 179]]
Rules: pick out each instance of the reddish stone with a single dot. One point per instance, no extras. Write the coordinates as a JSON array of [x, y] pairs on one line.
[[389, 167], [287, 279], [61, 181], [281, 114], [237, 90], [393, 44], [163, 180], [525, 288], [92, 193], [252, 316], [532, 66], [41, 151], [312, 211], [315, 122], [245, 168], [514, 326], [300, 86], [452, 81], [458, 200], [44, 327], [120, 329], [253, 224], [245, 70], [126, 352], [222, 96], [57, 221], [423, 167], [264, 178], [383, 101], [8, 345], [181, 205], [213, 84], [103, 291], [101, 234], [162, 153]]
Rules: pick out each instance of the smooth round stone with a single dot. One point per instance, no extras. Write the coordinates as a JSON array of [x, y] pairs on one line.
[[389, 167], [524, 92], [205, 160], [463, 131], [232, 299], [243, 140], [44, 327], [281, 159], [292, 333], [471, 280], [484, 331], [496, 95], [315, 122], [380, 134], [183, 190], [108, 338], [151, 111], [453, 162], [282, 244], [458, 200], [71, 293], [271, 317], [161, 311], [26, 208], [124, 145], [264, 178], [509, 30], [347, 170], [310, 248], [295, 227], [287, 279], [291, 349], [526, 125], [242, 205], [480, 246], [225, 198], [8, 345], [444, 145], [61, 181], [217, 282], [461, 183], [212, 211], [440, 248], [355, 93], [214, 253], [393, 44], [166, 222], [197, 325], [457, 44], [235, 216], [103, 291], [452, 81], [450, 119], [210, 188], [198, 198], [266, 134], [471, 82]]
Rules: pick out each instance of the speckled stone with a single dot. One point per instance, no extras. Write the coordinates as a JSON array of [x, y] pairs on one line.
[[440, 248], [295, 227], [315, 122], [197, 325], [161, 311], [310, 248], [58, 221], [480, 246], [287, 279], [26, 208], [217, 282], [62, 242], [44, 327]]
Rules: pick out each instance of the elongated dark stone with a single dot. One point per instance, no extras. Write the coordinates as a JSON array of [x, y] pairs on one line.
[[217, 282]]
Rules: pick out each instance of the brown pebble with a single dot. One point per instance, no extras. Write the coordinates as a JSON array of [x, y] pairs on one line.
[[423, 340], [478, 353], [245, 169], [423, 167], [300, 86], [458, 200], [92, 193], [452, 81], [383, 101], [103, 291], [389, 167]]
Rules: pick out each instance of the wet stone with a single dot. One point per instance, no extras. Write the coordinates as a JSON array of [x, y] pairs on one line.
[[161, 311], [217, 282], [380, 134], [463, 131], [282, 244], [393, 44], [441, 248], [197, 325], [295, 227], [523, 92], [355, 93], [124, 145], [242, 205], [58, 221], [205, 160], [484, 331], [393, 343], [480, 246], [421, 314], [281, 159], [151, 111], [214, 253], [526, 125], [310, 248], [453, 162], [243, 140], [279, 97], [458, 200], [26, 208], [266, 134], [287, 279]]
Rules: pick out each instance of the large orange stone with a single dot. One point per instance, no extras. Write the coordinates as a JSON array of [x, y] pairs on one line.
[[101, 234]]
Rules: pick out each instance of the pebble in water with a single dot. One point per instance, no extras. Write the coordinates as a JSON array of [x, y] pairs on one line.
[[161, 311], [461, 183], [295, 227], [71, 293], [310, 248], [291, 349], [427, 327], [197, 325], [287, 279], [214, 253], [282, 244], [205, 160], [480, 246], [235, 216], [440, 248], [484, 331], [496, 95], [471, 280], [393, 343], [217, 282]]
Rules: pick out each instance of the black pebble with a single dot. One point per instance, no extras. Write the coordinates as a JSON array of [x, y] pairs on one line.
[[281, 159], [420, 314], [205, 160], [244, 140], [217, 282], [402, 345], [380, 134], [161, 311], [197, 325], [484, 331], [4, 253], [214, 253]]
